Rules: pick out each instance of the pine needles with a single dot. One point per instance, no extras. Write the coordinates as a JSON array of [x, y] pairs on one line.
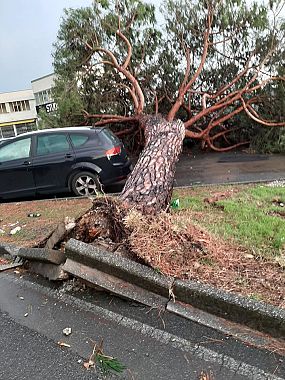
[[106, 363]]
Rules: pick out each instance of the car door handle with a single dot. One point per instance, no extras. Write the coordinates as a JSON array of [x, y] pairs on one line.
[[27, 163], [68, 155]]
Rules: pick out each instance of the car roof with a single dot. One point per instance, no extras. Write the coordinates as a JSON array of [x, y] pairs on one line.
[[52, 130]]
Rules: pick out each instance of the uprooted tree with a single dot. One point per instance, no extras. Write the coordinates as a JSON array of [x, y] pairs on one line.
[[216, 65], [193, 77]]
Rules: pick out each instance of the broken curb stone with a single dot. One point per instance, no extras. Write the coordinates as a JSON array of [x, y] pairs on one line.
[[51, 271], [59, 233], [42, 254], [9, 249]]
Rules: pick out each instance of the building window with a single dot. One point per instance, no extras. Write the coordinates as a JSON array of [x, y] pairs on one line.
[[25, 127], [43, 97], [8, 131], [3, 108], [20, 105]]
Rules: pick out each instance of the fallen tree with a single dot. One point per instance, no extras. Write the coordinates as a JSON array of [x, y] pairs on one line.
[[215, 65], [197, 108]]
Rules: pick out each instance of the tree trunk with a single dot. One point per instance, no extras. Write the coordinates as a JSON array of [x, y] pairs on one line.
[[149, 187]]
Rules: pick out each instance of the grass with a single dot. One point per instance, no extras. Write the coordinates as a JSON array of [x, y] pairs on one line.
[[250, 216]]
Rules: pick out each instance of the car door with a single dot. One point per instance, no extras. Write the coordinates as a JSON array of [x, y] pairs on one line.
[[52, 161], [16, 177]]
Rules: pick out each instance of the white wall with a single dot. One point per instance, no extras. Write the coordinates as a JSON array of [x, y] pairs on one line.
[[10, 116], [43, 83]]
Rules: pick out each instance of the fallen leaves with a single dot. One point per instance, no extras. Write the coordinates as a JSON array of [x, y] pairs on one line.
[[205, 376], [63, 344]]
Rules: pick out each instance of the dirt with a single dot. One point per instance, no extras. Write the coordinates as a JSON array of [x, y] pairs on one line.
[[186, 252], [217, 196], [3, 261], [33, 229]]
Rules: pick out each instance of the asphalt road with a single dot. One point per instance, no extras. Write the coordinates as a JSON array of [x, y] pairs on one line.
[[26, 354], [215, 168], [152, 344]]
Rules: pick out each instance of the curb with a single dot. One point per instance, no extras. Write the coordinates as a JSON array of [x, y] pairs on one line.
[[125, 269], [254, 314]]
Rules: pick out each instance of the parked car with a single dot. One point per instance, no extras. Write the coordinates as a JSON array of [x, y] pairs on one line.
[[76, 159]]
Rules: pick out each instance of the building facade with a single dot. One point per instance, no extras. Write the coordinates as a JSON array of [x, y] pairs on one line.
[[19, 110], [17, 113], [43, 95]]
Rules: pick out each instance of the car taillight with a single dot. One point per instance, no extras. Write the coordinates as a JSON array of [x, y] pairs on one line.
[[113, 151]]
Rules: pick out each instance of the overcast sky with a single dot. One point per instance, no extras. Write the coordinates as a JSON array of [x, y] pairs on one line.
[[28, 28]]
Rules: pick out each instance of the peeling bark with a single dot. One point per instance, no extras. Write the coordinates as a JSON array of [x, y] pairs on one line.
[[149, 187]]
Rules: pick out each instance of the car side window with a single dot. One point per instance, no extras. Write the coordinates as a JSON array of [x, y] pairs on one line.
[[16, 150], [78, 139], [52, 143]]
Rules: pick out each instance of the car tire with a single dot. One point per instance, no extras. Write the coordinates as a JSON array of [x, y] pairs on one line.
[[85, 184]]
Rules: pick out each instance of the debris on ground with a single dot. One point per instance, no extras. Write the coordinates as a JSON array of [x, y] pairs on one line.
[[63, 344], [171, 244], [67, 331], [34, 215], [106, 363], [277, 183], [3, 261], [220, 196], [206, 376], [15, 230]]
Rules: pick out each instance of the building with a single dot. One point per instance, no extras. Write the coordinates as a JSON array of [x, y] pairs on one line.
[[42, 91], [19, 110], [17, 113]]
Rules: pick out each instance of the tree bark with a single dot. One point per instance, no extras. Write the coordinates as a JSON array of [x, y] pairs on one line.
[[149, 187]]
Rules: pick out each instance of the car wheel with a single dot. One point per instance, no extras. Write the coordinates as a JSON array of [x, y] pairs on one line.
[[85, 184]]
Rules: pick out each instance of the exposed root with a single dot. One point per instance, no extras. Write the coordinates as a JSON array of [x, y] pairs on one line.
[[104, 219]]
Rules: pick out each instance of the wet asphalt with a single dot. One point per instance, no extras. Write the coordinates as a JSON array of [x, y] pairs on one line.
[[217, 168], [152, 344]]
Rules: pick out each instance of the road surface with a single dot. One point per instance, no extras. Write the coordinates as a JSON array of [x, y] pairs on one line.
[[152, 344]]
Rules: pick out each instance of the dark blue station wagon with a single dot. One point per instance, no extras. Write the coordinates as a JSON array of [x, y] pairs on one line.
[[76, 159]]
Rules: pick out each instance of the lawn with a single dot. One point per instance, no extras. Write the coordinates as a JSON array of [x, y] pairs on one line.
[[250, 216]]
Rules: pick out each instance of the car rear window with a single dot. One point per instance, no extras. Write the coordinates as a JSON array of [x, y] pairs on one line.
[[78, 139], [108, 138]]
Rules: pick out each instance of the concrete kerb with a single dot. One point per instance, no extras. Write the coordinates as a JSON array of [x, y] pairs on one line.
[[257, 315], [120, 267]]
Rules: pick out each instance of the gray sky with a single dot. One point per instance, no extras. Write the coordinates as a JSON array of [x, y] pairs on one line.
[[28, 28]]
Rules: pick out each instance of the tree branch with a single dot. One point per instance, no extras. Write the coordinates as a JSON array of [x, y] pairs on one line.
[[186, 86], [258, 119]]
